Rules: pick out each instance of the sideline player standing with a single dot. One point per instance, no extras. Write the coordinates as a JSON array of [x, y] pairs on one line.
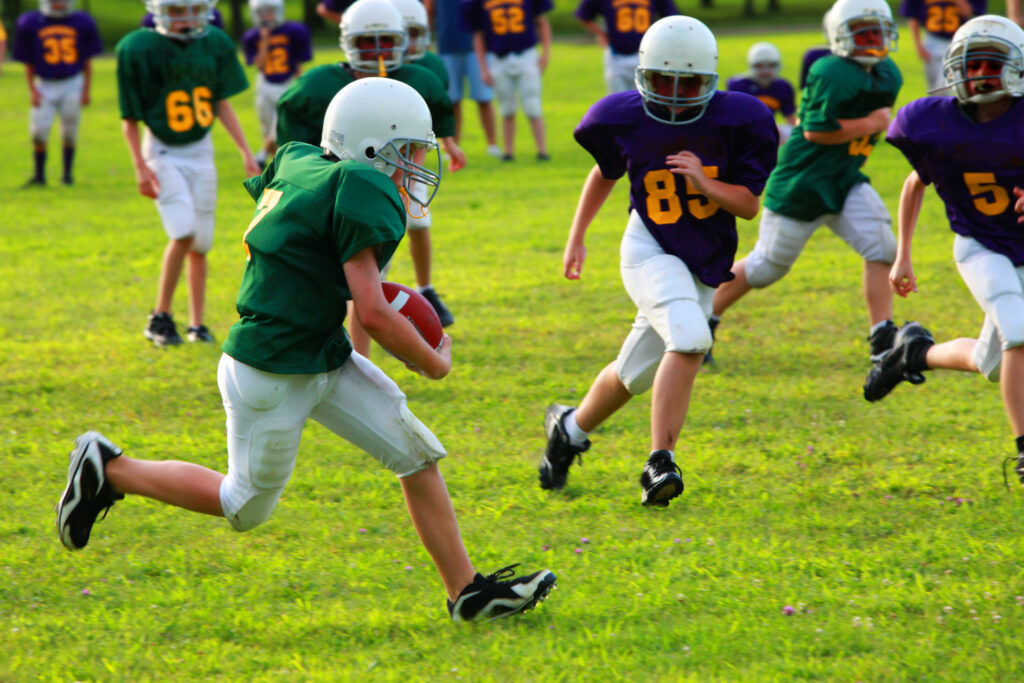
[[696, 158], [625, 22], [845, 108], [970, 147], [762, 80], [176, 80], [277, 48], [326, 220], [56, 44], [940, 19]]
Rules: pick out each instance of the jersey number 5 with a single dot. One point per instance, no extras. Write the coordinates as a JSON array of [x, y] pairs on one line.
[[663, 205], [185, 110], [268, 200], [982, 183]]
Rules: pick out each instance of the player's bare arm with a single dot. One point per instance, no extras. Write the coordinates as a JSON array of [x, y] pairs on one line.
[[480, 48], [901, 277], [328, 15], [456, 157], [30, 76], [596, 189], [850, 129], [544, 33], [736, 199], [260, 60], [229, 120], [145, 179], [597, 30], [86, 82], [387, 327], [915, 33], [1018, 205]]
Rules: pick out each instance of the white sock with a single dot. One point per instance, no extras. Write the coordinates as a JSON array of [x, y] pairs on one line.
[[425, 288], [879, 325], [576, 435]]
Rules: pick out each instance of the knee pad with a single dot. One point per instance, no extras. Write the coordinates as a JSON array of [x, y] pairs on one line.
[[638, 379], [688, 330], [1008, 314], [882, 250], [531, 105], [256, 510], [761, 272]]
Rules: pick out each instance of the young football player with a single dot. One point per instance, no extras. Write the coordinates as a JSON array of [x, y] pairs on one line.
[[940, 19], [326, 220], [814, 53], [56, 43], [177, 79], [696, 158], [844, 110], [764, 82], [373, 38], [277, 48], [215, 18], [623, 25], [970, 147], [505, 36]]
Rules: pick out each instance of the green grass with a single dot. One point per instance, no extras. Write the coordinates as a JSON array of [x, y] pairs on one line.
[[798, 492]]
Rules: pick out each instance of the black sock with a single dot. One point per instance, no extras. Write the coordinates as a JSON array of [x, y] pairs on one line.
[[917, 357], [40, 158], [1020, 444], [69, 158]]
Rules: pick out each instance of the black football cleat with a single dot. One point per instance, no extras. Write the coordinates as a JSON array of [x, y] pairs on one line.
[[661, 479], [161, 330], [560, 450], [443, 313], [904, 361], [1018, 469], [88, 492], [882, 340], [492, 597], [200, 333], [712, 325]]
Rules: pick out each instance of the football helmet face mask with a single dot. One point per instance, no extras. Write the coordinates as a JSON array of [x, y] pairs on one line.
[[181, 19], [414, 18], [386, 125], [267, 13], [992, 39], [862, 30], [56, 8], [373, 36], [765, 62], [677, 70]]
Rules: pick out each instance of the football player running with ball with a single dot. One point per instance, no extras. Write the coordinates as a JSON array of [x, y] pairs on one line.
[[970, 147], [845, 109], [696, 158], [327, 218], [176, 79]]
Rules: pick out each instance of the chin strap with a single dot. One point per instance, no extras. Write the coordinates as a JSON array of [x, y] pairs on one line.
[[408, 200]]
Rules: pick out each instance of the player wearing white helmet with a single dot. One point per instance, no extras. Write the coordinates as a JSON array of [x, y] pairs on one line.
[[932, 24], [212, 17], [970, 148], [763, 80], [177, 80], [56, 44], [844, 111], [326, 219], [696, 158]]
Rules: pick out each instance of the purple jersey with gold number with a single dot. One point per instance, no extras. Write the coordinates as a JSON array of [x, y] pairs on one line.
[[974, 167], [778, 96], [288, 47], [625, 21], [737, 142], [508, 25], [56, 47], [939, 17]]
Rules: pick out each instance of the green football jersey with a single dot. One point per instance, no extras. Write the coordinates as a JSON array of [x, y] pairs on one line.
[[301, 109], [173, 86], [312, 216], [436, 66], [811, 179]]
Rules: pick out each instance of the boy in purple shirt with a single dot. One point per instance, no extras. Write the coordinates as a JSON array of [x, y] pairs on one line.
[[940, 19], [970, 147], [696, 158], [763, 82], [56, 44], [277, 48], [625, 22]]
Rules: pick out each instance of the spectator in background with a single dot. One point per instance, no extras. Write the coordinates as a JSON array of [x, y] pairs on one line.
[[940, 19], [455, 46]]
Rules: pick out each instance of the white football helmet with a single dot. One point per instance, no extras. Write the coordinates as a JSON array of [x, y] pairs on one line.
[[417, 26], [765, 62], [181, 19], [382, 123], [56, 8], [866, 15], [992, 38], [675, 48], [267, 13], [377, 20]]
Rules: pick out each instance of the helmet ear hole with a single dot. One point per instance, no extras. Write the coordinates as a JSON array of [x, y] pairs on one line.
[[370, 153]]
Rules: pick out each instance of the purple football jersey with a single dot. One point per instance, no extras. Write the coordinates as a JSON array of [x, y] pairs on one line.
[[56, 47], [338, 6], [625, 21], [508, 25], [974, 167], [216, 19], [778, 96], [288, 47], [737, 142], [939, 17]]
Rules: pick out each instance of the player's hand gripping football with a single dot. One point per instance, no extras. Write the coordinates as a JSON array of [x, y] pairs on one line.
[[445, 351]]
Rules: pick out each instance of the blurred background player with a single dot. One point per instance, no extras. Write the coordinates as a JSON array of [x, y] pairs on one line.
[[505, 36], [814, 53], [331, 10], [277, 48], [844, 110], [3, 45], [762, 80], [696, 158], [56, 43], [623, 25], [326, 220], [455, 47], [215, 18], [177, 79], [971, 148], [940, 19]]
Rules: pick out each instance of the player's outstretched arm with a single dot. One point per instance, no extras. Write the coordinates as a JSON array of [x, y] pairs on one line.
[[735, 199], [145, 179], [227, 117], [851, 129], [901, 277], [386, 325], [595, 191]]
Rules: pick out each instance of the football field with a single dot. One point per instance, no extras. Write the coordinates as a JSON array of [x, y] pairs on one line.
[[819, 536]]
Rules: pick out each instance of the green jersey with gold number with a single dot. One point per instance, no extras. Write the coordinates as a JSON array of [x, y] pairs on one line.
[[173, 86], [312, 215], [812, 179]]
